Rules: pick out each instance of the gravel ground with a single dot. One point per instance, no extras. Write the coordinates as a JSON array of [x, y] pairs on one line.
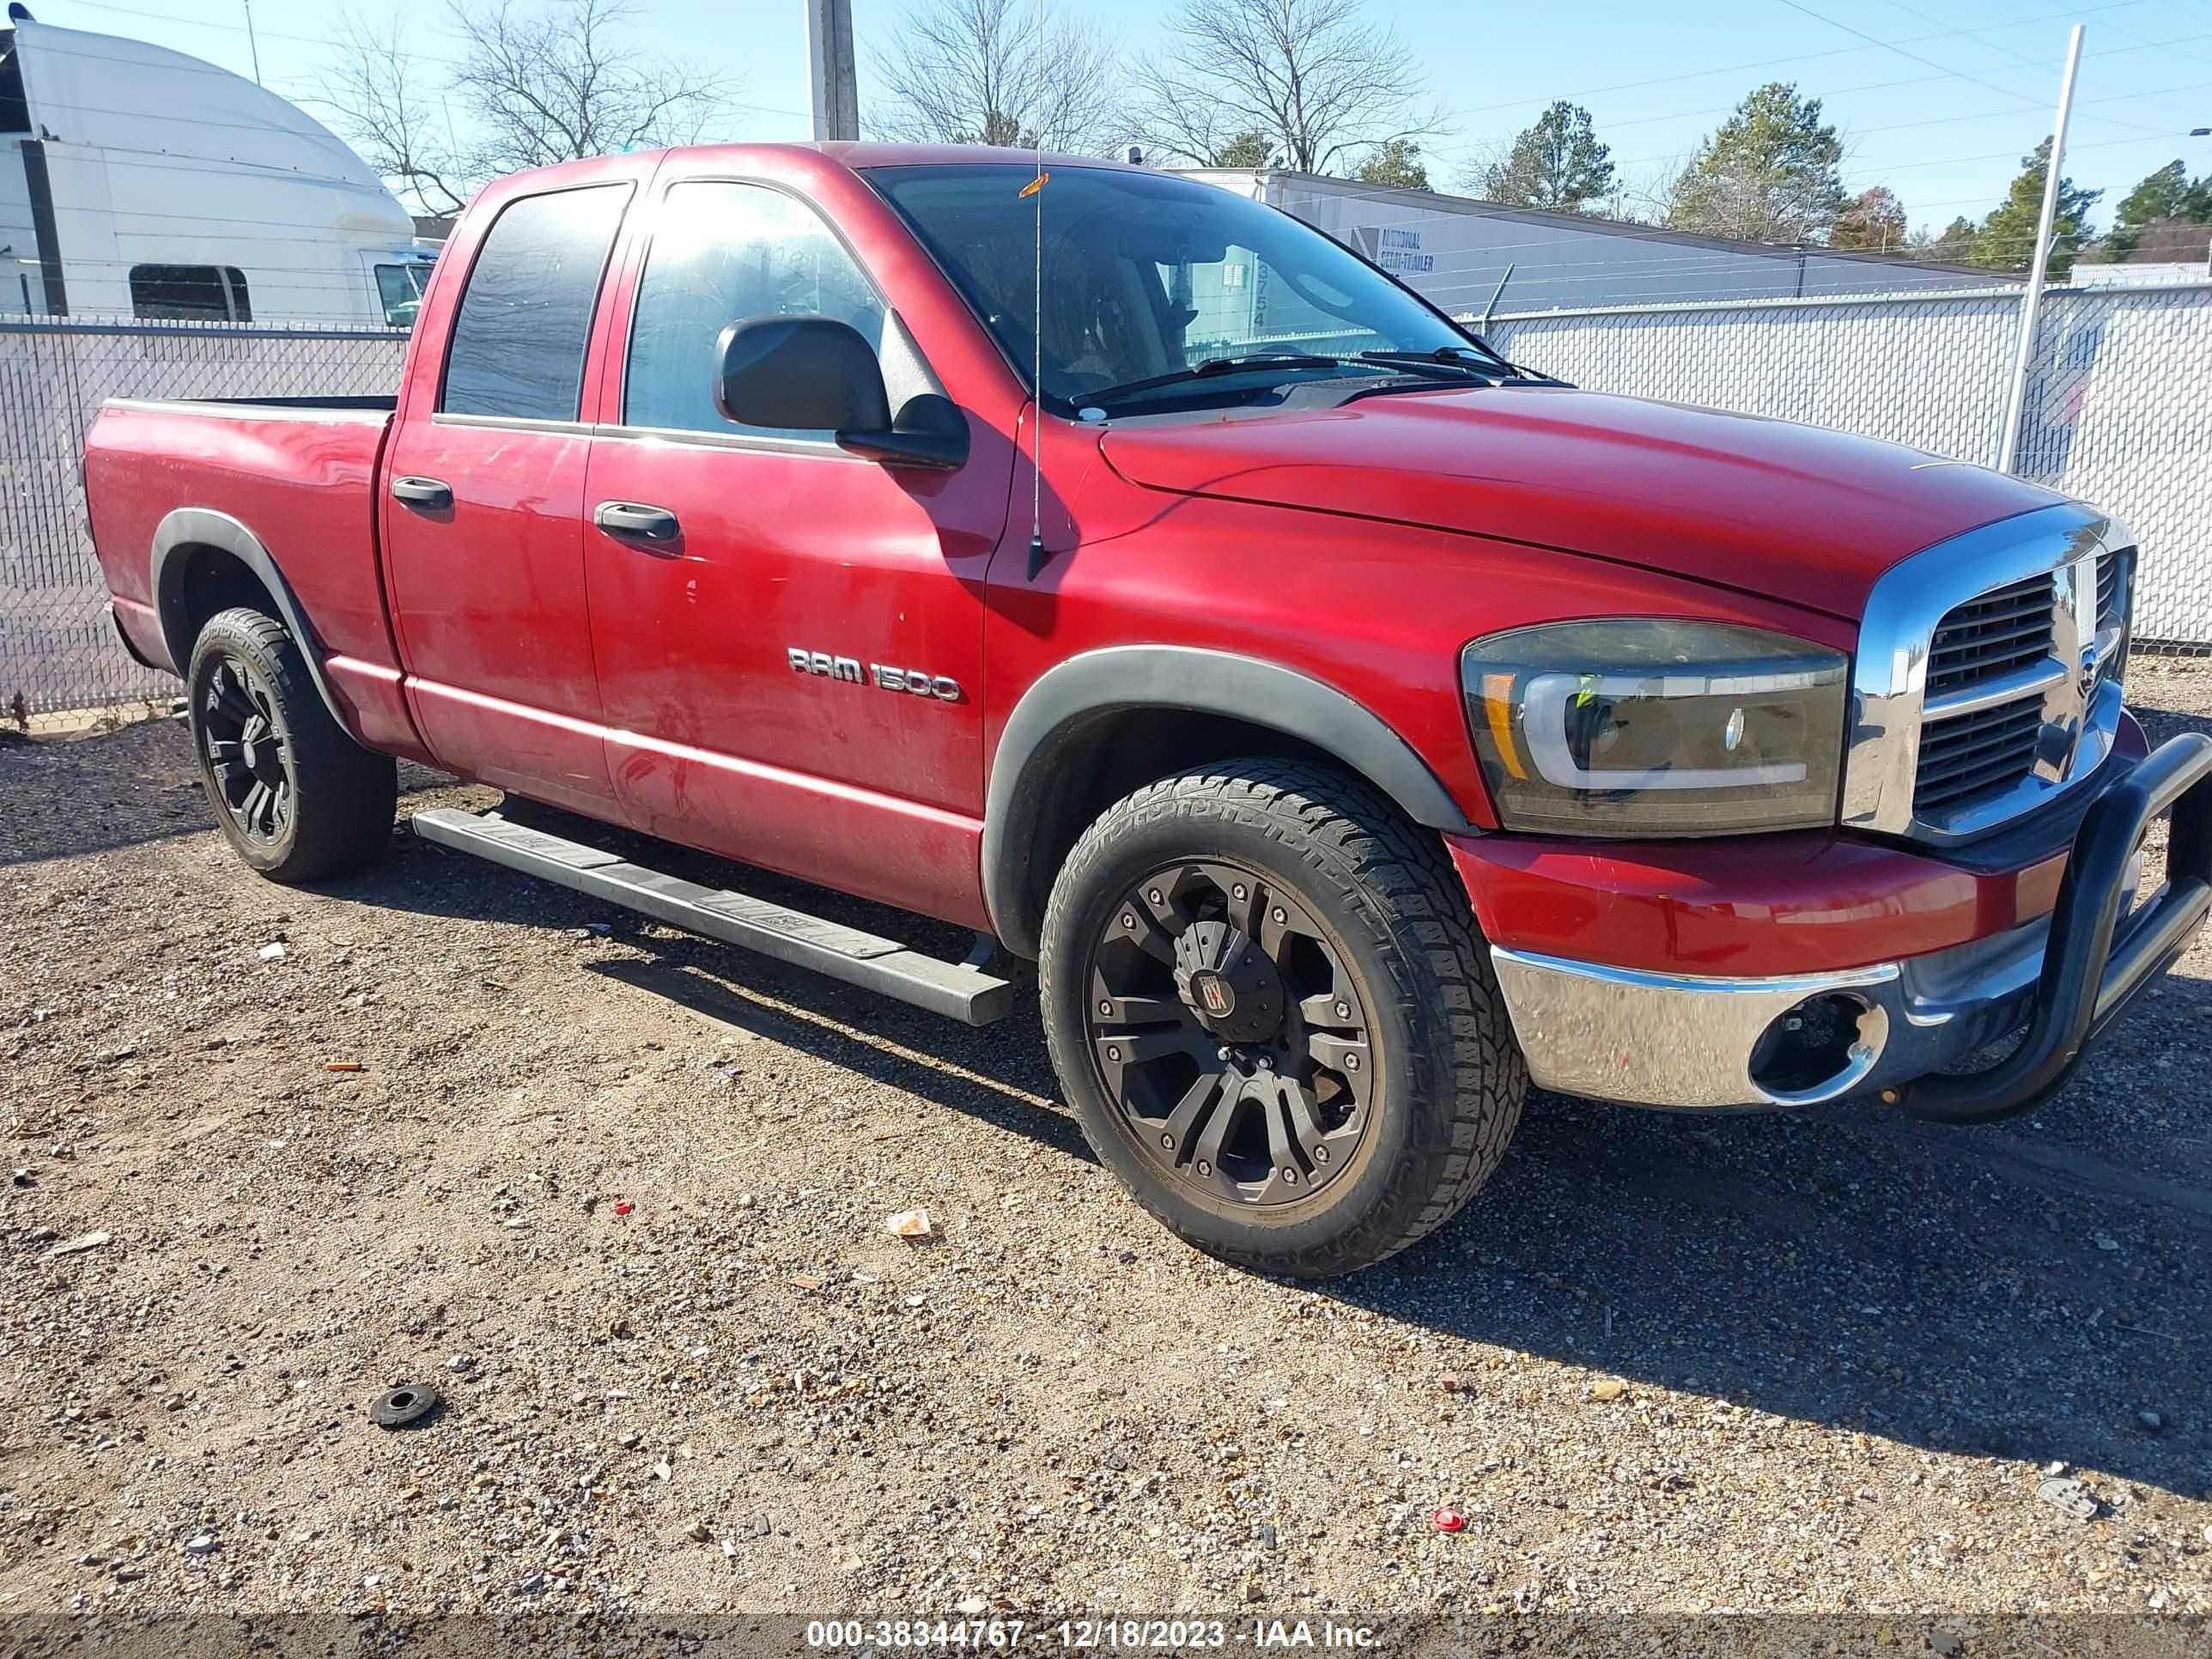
[[620, 1194]]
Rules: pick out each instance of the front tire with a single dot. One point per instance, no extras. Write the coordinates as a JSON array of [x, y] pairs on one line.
[[1265, 998], [297, 798]]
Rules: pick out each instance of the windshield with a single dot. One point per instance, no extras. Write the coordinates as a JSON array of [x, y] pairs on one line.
[[1147, 277]]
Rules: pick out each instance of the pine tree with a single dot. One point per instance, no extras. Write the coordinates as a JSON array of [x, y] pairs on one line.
[[2006, 240], [1557, 164], [1954, 247], [1770, 174], [1246, 149], [2162, 195], [1397, 164]]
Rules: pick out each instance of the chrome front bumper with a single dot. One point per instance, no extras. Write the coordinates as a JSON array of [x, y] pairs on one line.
[[1688, 1042]]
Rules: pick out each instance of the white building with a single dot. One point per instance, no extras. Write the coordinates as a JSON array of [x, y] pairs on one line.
[[1456, 251], [139, 182], [2148, 274]]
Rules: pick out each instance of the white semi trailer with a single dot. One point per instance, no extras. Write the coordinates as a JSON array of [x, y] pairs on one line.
[[140, 182]]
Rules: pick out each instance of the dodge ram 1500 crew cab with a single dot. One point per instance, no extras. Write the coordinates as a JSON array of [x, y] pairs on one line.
[[1352, 724]]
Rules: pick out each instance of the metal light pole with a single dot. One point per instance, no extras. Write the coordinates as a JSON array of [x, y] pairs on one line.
[[2031, 302], [830, 54]]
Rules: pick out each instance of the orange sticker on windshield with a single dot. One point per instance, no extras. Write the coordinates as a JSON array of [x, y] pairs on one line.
[[1036, 184]]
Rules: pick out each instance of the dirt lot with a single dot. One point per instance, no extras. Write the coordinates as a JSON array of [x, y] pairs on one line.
[[621, 1194]]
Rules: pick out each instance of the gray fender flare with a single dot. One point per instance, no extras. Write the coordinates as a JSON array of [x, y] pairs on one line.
[[1176, 677], [199, 527]]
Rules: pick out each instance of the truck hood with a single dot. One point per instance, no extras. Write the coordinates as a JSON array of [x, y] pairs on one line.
[[1769, 507]]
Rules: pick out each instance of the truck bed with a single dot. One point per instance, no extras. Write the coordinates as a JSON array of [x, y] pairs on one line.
[[297, 474]]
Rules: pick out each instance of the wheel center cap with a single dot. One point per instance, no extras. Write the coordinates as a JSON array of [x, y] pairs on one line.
[[1225, 979], [1215, 994]]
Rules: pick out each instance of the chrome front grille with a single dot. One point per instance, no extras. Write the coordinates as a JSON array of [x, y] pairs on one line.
[[1996, 654], [1987, 675], [1991, 636], [2112, 588], [1964, 759]]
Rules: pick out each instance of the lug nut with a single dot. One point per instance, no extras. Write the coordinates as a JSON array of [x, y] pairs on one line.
[[1105, 1005], [1290, 1177], [1351, 1062], [1279, 916], [1168, 1141], [1344, 1011], [1204, 1168], [1321, 1154], [1114, 1055], [1154, 896], [1129, 919], [1238, 889]]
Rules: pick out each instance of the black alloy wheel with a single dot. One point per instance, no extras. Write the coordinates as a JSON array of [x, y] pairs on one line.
[[296, 798], [1267, 998], [246, 750], [1230, 1035]]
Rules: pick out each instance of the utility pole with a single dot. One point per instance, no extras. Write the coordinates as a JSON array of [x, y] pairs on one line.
[[252, 45], [2031, 302], [830, 52]]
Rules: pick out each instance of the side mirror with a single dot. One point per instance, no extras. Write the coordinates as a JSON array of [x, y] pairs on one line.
[[930, 431], [815, 374], [804, 373]]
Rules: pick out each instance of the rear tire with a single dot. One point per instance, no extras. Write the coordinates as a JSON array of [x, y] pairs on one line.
[[296, 797], [1266, 1000]]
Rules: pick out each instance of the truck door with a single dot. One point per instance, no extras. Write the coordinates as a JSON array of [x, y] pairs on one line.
[[789, 638], [483, 514]]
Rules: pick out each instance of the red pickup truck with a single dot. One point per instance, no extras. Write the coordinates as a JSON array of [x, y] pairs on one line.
[[1350, 724]]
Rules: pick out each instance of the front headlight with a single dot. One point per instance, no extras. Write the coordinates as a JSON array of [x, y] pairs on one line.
[[1649, 727]]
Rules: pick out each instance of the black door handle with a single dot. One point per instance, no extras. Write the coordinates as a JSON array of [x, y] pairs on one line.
[[654, 524], [426, 493]]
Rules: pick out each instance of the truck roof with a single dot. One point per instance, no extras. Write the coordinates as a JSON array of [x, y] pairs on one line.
[[854, 156]]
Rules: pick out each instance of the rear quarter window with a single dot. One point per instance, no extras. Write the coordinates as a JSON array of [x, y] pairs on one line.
[[525, 318]]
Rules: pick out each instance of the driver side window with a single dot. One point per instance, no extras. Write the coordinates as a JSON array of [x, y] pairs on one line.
[[724, 253]]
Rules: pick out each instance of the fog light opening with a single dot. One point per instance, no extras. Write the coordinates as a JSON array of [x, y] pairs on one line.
[[1819, 1048]]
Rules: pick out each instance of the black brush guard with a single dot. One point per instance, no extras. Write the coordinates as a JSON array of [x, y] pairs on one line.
[[2093, 965]]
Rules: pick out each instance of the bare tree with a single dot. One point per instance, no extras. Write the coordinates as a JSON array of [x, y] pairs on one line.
[[533, 86], [395, 116], [981, 72], [560, 83], [1321, 82]]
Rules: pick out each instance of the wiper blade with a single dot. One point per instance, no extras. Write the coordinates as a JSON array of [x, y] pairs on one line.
[[1267, 359], [1433, 365], [1213, 366], [1475, 360]]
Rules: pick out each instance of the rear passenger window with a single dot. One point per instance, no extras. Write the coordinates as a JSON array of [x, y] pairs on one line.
[[526, 316], [726, 254]]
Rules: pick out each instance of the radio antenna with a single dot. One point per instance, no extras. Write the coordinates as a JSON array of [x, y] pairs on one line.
[[1036, 327]]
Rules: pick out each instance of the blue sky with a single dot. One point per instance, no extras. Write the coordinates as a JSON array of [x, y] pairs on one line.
[[1941, 111]]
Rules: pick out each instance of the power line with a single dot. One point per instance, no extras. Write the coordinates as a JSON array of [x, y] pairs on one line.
[[1891, 45], [1799, 57], [1960, 75], [397, 53]]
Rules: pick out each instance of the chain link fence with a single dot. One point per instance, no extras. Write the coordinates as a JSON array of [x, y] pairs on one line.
[[2117, 412], [57, 649]]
